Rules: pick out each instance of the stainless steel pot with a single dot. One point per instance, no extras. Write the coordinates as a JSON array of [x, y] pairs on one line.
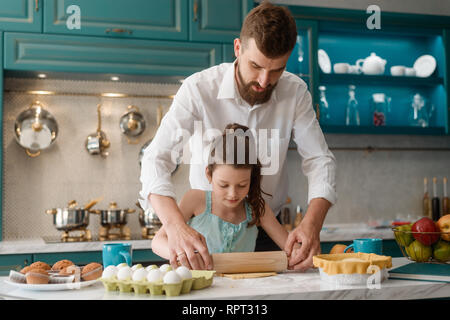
[[72, 217], [113, 216], [132, 124], [97, 143], [145, 145], [35, 129], [148, 218]]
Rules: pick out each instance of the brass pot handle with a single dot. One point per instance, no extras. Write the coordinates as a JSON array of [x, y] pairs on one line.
[[99, 118], [119, 30], [131, 107], [51, 211], [130, 210], [31, 154], [195, 10], [131, 141], [159, 115]]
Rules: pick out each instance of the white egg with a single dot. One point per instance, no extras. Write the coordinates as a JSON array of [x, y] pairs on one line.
[[124, 273], [165, 267], [150, 267], [139, 275], [136, 266], [184, 272], [121, 265], [109, 272], [154, 275], [172, 277]]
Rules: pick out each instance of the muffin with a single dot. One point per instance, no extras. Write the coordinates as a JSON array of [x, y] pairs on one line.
[[68, 270], [26, 269], [40, 265], [91, 271], [37, 276], [61, 264]]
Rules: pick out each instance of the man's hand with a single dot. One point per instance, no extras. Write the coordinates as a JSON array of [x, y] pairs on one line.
[[301, 258], [187, 247], [307, 234]]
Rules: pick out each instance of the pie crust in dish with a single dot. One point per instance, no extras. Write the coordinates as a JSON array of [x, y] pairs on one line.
[[350, 263]]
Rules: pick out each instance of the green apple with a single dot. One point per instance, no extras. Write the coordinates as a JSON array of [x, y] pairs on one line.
[[418, 251], [441, 251], [404, 237]]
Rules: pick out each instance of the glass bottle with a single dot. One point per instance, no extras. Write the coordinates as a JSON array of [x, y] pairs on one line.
[[324, 110], [352, 112]]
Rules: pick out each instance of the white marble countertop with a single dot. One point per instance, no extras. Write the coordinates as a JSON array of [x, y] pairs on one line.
[[284, 286], [330, 232], [38, 245]]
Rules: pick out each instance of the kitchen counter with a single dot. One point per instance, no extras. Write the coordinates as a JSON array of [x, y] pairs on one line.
[[284, 286], [330, 232], [40, 246]]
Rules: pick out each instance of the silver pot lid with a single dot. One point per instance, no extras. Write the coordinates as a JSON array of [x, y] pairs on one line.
[[132, 123], [35, 128]]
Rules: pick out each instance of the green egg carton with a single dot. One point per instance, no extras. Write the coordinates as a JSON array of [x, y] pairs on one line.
[[200, 279]]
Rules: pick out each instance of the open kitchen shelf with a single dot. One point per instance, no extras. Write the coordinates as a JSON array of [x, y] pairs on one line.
[[397, 48], [347, 39], [333, 78], [383, 130]]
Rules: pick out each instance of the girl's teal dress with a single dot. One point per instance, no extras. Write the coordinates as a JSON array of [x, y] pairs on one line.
[[222, 236]]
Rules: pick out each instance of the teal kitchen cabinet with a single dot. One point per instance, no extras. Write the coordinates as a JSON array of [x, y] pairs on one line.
[[14, 262], [228, 53], [79, 258], [303, 59], [403, 38], [217, 20], [44, 52], [21, 15], [155, 19], [83, 258], [1, 130]]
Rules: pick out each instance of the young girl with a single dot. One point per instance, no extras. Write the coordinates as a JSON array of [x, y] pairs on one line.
[[228, 215]]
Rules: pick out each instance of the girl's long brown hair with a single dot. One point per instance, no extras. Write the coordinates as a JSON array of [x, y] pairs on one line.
[[254, 196]]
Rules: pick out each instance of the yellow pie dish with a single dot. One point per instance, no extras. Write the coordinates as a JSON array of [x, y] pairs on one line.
[[350, 263]]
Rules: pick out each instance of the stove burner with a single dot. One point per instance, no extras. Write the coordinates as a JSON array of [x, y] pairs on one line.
[[149, 232], [114, 232], [76, 235]]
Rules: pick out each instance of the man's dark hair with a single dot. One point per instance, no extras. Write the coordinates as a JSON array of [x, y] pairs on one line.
[[272, 27]]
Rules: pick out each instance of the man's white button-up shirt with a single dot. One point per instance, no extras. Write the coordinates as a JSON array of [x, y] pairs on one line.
[[209, 100]]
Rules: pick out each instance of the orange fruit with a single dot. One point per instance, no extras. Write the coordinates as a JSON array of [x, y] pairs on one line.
[[339, 248]]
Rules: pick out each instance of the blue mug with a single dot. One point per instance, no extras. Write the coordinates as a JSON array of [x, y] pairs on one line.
[[117, 253], [368, 245]]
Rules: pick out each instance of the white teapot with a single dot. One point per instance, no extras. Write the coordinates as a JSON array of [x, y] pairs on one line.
[[372, 65]]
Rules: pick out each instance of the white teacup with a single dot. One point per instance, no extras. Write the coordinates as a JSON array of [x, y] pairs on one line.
[[398, 70], [341, 67], [410, 72], [354, 69]]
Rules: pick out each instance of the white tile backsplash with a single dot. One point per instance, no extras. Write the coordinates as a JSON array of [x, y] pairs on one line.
[[379, 184]]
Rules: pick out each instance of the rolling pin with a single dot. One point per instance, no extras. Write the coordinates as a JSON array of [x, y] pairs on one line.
[[245, 262]]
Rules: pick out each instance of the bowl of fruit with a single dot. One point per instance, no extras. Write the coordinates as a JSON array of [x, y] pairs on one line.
[[425, 240]]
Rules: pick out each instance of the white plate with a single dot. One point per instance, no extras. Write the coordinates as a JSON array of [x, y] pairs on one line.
[[324, 61], [425, 66], [51, 287]]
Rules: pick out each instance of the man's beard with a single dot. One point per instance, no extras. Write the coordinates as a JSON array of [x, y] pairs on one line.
[[251, 96]]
